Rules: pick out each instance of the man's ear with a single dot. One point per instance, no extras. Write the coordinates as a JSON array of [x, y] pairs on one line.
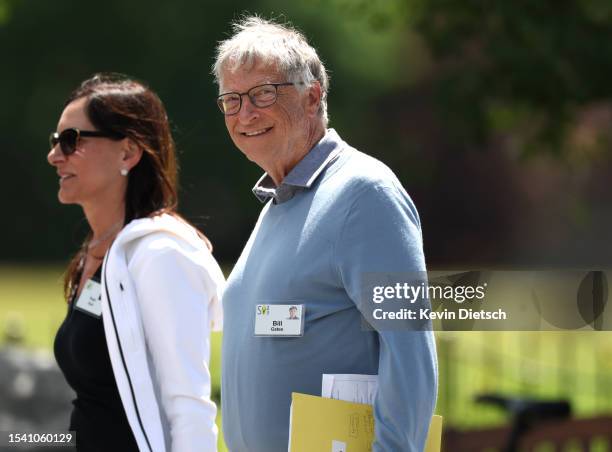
[[314, 98], [132, 153]]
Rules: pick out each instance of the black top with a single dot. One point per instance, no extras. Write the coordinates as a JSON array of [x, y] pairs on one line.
[[98, 416]]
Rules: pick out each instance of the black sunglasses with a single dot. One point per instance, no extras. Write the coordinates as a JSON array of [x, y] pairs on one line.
[[69, 138]]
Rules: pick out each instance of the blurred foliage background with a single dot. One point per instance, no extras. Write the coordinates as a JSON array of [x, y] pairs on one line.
[[495, 115]]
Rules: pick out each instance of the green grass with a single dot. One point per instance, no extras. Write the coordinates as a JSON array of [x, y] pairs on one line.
[[574, 365], [31, 301]]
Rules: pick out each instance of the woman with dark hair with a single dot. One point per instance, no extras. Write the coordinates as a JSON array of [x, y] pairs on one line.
[[143, 290]]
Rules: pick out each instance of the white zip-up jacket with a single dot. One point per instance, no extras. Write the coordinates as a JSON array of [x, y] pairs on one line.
[[161, 292]]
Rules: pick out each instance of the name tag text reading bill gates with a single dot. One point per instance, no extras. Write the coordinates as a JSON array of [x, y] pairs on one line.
[[285, 320]]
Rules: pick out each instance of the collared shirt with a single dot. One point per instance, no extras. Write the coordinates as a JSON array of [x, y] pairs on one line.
[[303, 174]]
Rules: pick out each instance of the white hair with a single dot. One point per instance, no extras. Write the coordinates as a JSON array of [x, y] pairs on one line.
[[257, 40]]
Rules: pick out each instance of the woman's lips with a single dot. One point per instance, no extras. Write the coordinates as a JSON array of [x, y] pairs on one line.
[[66, 177]]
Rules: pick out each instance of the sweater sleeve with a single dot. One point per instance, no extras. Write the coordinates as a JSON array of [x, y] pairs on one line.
[[381, 233], [175, 290]]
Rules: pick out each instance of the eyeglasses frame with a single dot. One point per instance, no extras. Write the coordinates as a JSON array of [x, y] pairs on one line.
[[240, 95]]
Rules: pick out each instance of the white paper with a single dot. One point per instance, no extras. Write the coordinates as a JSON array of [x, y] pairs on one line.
[[290, 425], [350, 387], [338, 446]]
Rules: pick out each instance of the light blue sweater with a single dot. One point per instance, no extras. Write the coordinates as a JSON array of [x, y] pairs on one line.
[[353, 217]]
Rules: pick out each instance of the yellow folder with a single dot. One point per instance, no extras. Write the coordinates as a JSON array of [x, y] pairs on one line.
[[320, 424]]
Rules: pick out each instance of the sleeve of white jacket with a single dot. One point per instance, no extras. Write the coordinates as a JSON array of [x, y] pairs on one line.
[[175, 290]]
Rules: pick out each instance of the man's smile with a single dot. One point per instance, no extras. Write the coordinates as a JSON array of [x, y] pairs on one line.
[[255, 133]]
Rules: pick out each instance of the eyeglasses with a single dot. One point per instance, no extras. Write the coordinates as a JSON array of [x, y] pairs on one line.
[[69, 138], [261, 96]]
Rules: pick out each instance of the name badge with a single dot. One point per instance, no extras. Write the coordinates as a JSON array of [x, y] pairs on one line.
[[279, 320], [90, 300]]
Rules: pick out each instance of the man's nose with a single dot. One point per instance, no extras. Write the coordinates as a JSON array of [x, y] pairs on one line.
[[248, 112]]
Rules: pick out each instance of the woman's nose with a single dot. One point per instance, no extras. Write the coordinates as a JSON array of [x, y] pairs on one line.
[[55, 155]]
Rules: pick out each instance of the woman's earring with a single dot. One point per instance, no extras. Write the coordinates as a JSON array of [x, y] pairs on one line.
[[124, 172]]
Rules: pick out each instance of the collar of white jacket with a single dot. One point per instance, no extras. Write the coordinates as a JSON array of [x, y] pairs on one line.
[[141, 227]]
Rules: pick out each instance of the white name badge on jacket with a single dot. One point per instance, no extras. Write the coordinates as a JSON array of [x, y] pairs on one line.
[[90, 300], [279, 320]]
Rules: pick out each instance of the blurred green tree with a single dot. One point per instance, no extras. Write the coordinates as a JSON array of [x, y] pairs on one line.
[[413, 82], [523, 67]]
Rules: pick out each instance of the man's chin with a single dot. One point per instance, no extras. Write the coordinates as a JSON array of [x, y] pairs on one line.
[[255, 155]]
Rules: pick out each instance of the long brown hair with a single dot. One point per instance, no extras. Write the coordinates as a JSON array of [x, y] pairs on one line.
[[126, 108]]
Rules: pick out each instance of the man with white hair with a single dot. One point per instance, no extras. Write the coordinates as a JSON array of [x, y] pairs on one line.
[[331, 215]]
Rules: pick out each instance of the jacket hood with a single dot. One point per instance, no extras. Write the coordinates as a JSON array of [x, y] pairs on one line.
[[142, 227], [164, 222]]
